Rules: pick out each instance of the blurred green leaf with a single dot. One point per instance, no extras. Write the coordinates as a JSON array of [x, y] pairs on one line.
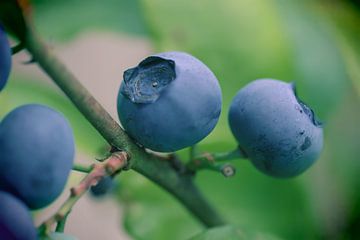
[[152, 213], [333, 183], [62, 20], [242, 41], [245, 40], [320, 71], [239, 40], [249, 199], [231, 233], [225, 232], [346, 19]]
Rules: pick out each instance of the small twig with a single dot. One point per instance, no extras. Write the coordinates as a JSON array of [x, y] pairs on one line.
[[174, 161], [192, 152], [213, 161], [81, 168], [114, 163]]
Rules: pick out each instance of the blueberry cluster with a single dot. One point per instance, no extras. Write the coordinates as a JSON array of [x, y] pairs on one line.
[[168, 102], [12, 207], [36, 156], [172, 100]]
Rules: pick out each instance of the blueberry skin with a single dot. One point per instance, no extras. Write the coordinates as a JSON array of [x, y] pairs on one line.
[[169, 101], [15, 219], [36, 154], [104, 186], [277, 131], [5, 58]]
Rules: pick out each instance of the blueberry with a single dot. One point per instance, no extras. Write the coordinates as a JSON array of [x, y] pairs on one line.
[[276, 130], [36, 154], [5, 58], [169, 101], [15, 219], [104, 186]]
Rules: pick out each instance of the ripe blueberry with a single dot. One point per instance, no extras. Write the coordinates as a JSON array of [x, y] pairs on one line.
[[15, 219], [169, 101], [5, 58], [36, 154], [277, 131]]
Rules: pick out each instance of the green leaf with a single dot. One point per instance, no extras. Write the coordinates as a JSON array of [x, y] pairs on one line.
[[319, 67], [346, 19], [245, 40], [152, 213], [333, 183], [62, 20], [231, 233], [239, 40], [242, 41], [249, 199]]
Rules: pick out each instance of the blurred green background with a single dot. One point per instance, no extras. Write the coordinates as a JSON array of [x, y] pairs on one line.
[[314, 43]]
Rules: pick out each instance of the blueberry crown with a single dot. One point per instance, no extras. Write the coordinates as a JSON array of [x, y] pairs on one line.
[[307, 110], [145, 82]]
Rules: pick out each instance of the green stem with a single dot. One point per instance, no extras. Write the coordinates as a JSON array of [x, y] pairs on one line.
[[81, 168], [60, 227], [192, 152], [226, 156], [157, 170], [113, 164], [212, 161]]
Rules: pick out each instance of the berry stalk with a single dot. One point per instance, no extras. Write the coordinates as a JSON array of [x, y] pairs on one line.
[[113, 164], [81, 168], [215, 162]]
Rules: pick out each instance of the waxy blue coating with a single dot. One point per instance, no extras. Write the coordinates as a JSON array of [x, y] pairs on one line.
[[184, 113], [36, 154], [275, 129], [5, 58], [15, 219]]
